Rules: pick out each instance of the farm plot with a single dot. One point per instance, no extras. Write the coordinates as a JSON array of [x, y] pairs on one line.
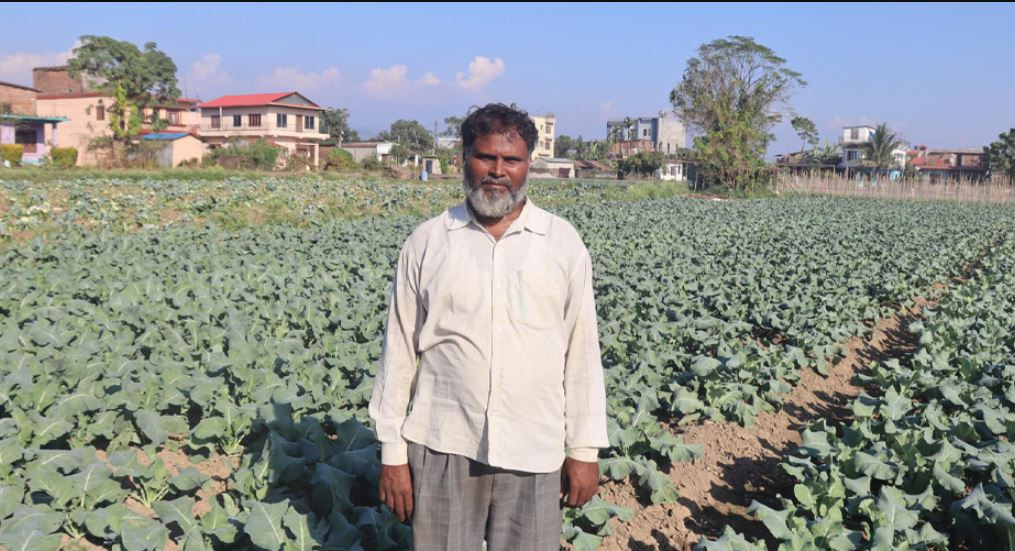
[[208, 387]]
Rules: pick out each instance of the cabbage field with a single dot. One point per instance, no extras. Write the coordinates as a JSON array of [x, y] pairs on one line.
[[176, 373]]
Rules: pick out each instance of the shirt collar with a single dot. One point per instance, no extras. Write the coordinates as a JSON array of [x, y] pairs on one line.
[[531, 218]]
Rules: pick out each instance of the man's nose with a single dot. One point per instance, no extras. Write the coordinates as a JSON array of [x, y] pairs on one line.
[[498, 169]]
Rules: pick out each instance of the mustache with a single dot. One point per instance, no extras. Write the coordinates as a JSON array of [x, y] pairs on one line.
[[503, 181]]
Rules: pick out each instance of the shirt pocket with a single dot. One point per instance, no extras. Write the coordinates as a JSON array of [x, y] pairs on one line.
[[536, 299]]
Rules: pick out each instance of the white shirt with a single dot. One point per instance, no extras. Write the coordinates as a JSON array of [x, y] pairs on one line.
[[495, 345]]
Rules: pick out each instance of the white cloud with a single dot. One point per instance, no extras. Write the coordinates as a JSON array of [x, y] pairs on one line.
[[205, 75], [481, 71], [383, 82], [291, 78], [430, 79], [17, 66]]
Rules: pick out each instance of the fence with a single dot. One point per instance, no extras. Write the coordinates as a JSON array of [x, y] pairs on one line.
[[834, 184]]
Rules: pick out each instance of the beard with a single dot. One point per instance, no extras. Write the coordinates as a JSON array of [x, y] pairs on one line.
[[494, 203]]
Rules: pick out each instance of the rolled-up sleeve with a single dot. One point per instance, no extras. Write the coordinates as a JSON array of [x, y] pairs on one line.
[[389, 402], [584, 388]]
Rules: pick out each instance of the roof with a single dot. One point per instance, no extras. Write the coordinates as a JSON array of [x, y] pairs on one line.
[[21, 86], [257, 100], [167, 136], [72, 96], [363, 144], [33, 118]]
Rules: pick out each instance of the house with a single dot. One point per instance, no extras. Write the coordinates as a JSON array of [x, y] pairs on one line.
[[544, 167], [853, 143], [177, 147], [664, 133], [449, 142], [626, 148], [673, 171], [287, 119], [87, 111], [20, 124], [593, 170], [367, 150], [947, 164], [546, 125]]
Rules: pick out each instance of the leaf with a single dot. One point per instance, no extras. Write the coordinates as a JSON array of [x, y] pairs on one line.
[[264, 526], [774, 520], [178, 511]]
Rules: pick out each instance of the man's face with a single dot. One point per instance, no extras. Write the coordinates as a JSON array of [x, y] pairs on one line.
[[496, 174]]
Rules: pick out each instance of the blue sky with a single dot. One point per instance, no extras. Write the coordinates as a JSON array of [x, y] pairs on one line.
[[942, 75]]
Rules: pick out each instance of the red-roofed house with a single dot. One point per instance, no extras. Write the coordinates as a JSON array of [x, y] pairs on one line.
[[948, 164], [287, 119]]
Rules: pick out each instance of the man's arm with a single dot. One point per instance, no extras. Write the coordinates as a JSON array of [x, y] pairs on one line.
[[389, 403], [584, 388]]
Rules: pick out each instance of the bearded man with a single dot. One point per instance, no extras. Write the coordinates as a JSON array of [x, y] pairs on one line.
[[489, 401]]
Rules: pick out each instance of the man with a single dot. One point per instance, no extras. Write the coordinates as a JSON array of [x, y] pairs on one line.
[[491, 336]]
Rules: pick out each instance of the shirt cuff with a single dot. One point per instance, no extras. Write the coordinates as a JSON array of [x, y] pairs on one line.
[[394, 453], [588, 455]]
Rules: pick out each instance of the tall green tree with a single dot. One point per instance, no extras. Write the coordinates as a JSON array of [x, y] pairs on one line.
[[453, 127], [731, 92], [999, 156], [882, 144], [137, 79], [411, 135], [335, 123], [807, 130]]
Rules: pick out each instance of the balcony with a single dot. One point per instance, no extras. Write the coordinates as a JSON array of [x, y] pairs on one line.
[[256, 131]]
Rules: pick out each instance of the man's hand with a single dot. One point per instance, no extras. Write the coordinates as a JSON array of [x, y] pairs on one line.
[[579, 481], [396, 490]]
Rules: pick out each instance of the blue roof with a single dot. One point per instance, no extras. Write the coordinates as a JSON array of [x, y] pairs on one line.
[[164, 136], [32, 118]]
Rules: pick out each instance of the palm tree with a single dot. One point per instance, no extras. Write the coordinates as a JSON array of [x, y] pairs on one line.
[[882, 144]]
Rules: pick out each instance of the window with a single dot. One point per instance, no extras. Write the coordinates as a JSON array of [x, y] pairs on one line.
[[850, 155], [237, 121], [309, 122], [100, 112], [644, 132], [281, 120], [854, 133], [173, 117], [254, 120], [549, 128], [216, 121]]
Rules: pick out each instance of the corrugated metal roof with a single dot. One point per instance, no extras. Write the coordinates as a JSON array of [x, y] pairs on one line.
[[169, 136]]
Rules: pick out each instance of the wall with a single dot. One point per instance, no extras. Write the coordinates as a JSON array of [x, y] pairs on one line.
[[21, 100]]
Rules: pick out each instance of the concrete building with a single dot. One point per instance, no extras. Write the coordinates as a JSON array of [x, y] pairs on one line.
[[366, 150], [177, 147], [88, 116], [942, 164], [286, 119], [21, 124], [853, 142], [547, 127], [665, 133], [543, 167]]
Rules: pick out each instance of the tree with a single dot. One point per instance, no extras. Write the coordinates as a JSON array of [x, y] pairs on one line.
[[454, 127], [335, 123], [411, 135], [565, 147], [807, 131], [999, 156], [881, 146], [644, 163], [828, 154], [136, 79], [731, 92]]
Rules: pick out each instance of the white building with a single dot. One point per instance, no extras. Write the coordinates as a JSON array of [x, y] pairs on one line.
[[853, 143]]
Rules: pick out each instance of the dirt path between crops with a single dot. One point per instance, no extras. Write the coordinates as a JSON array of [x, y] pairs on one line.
[[741, 464]]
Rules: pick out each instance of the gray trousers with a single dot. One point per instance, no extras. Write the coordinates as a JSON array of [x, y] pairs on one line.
[[458, 502]]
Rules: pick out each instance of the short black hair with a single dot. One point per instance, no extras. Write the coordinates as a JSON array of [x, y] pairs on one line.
[[495, 118]]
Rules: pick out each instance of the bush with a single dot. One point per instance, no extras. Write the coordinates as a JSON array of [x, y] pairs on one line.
[[259, 155], [12, 153], [64, 157], [340, 159], [371, 163]]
